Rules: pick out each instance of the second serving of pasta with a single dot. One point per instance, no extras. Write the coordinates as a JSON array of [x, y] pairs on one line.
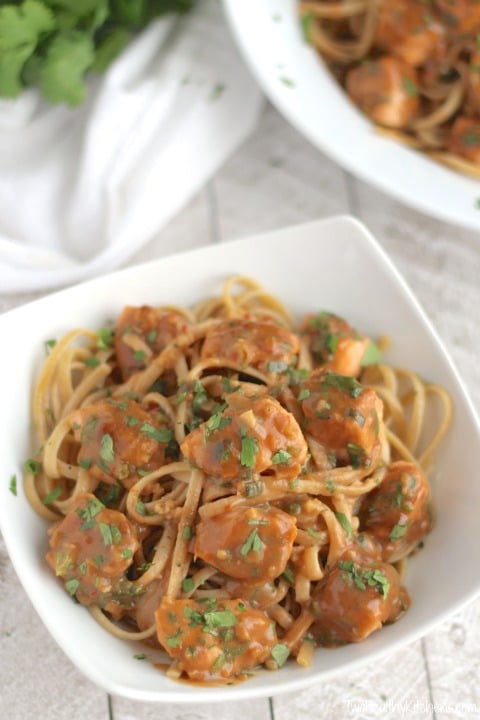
[[229, 485]]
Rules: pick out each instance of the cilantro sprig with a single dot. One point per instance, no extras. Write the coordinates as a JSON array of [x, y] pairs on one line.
[[54, 44]]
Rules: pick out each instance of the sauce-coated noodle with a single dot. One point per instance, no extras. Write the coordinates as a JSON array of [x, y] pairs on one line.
[[230, 486]]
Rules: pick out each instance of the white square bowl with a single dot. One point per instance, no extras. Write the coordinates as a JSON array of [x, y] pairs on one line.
[[332, 264]]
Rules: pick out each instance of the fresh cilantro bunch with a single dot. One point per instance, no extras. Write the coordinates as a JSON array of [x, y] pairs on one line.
[[54, 43]]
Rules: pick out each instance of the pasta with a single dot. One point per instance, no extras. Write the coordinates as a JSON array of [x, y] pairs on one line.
[[412, 66], [230, 486]]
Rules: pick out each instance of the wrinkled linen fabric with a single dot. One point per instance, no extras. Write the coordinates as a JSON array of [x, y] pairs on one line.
[[82, 190]]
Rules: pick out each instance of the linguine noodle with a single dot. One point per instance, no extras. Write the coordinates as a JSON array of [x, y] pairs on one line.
[[213, 477]]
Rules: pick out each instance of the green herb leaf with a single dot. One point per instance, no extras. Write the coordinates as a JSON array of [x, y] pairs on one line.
[[164, 435], [345, 523], [71, 586], [252, 543], [188, 585], [248, 451], [105, 338], [52, 496], [397, 532], [91, 362], [220, 618], [106, 448], [33, 466], [372, 355], [13, 485], [303, 394], [280, 457], [280, 653]]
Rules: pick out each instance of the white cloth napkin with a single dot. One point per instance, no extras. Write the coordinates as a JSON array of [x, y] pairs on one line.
[[82, 190]]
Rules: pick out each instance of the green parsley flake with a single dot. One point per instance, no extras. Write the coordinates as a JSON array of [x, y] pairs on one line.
[[49, 345], [303, 394], [139, 355], [361, 578], [105, 338], [397, 532], [32, 466], [111, 535], [314, 534], [188, 585], [71, 586], [127, 553], [164, 435], [248, 451], [280, 653], [344, 383], [216, 422], [307, 21], [91, 362], [52, 496], [140, 656], [252, 543], [13, 485], [187, 532], [372, 355], [106, 448], [85, 464], [280, 457], [345, 523], [220, 618], [357, 454]]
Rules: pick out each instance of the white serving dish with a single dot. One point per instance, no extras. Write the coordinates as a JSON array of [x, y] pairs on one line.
[[332, 264], [298, 83]]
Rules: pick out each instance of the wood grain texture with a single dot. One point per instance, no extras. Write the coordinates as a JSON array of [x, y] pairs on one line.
[[277, 179]]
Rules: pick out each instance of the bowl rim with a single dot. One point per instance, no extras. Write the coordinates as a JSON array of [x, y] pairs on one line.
[[299, 680]]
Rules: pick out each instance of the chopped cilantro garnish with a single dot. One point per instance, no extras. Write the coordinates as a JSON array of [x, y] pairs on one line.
[[139, 355], [361, 578], [91, 361], [216, 422], [164, 435], [105, 338], [85, 464], [49, 345], [220, 618], [52, 496], [13, 485], [281, 456], [248, 451], [344, 383], [307, 21], [253, 542], [345, 523], [280, 653], [357, 454], [372, 355], [397, 532], [71, 586], [303, 394], [127, 553], [32, 466], [314, 534], [188, 585], [106, 448]]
